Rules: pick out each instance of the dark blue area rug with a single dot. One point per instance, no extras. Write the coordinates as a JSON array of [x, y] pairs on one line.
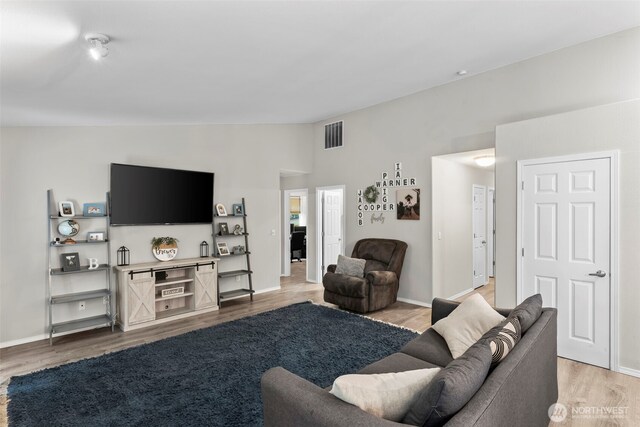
[[208, 377]]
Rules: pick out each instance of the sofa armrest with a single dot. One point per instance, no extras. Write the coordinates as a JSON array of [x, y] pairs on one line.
[[519, 391], [380, 278], [331, 268], [289, 400], [441, 308]]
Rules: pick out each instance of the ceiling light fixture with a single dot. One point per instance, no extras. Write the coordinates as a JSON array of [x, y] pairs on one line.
[[461, 72], [98, 42], [485, 161]]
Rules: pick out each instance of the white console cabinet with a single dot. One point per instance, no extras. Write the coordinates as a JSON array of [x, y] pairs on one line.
[[158, 292]]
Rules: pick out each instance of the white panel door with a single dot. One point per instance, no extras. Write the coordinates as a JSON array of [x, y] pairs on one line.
[[566, 243], [479, 215], [332, 226]]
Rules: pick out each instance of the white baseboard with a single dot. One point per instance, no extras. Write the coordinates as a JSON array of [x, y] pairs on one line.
[[415, 302], [460, 294], [629, 371], [23, 340], [46, 336], [262, 291]]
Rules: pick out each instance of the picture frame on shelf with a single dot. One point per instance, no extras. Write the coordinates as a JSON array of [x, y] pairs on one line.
[[70, 261], [223, 249], [223, 228], [95, 236], [94, 209], [66, 208], [221, 210], [238, 209], [239, 249]]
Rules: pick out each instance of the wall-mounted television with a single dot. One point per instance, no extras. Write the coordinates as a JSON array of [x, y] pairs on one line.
[[142, 195]]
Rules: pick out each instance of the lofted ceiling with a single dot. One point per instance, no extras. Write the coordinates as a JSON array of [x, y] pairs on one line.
[[196, 62]]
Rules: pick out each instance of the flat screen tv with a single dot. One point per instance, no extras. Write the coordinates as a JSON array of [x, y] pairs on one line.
[[142, 195]]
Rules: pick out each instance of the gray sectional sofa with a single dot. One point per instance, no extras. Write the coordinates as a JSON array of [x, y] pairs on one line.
[[518, 392]]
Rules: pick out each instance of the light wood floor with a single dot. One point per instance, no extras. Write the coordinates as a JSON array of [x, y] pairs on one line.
[[579, 384]]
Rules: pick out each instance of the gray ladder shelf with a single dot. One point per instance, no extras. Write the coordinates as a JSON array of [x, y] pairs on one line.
[[234, 293], [56, 299]]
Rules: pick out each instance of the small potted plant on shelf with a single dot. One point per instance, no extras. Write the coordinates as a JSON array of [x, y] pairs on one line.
[[164, 248]]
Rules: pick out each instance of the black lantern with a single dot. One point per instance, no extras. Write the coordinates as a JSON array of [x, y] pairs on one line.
[[204, 249], [123, 255]]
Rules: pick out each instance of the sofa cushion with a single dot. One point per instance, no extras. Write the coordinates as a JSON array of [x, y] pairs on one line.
[[349, 286], [528, 311], [396, 362], [388, 395], [452, 388], [467, 324], [430, 347], [350, 266], [502, 339]]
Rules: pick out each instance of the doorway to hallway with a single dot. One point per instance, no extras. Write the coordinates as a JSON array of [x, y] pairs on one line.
[[329, 226]]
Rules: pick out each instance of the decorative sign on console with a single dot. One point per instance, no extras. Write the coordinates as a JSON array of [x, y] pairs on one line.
[[375, 198]]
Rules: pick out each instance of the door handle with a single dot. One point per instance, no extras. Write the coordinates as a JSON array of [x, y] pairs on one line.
[[484, 242], [598, 273]]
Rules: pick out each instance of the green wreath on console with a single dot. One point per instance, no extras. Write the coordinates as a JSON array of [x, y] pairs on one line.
[[371, 194]]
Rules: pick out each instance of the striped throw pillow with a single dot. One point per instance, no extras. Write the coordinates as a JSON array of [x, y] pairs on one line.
[[505, 336]]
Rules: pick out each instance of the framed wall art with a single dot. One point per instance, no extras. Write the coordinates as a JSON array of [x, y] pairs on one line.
[[408, 203]]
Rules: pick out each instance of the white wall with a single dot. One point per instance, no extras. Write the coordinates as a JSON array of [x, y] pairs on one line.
[[461, 116], [452, 217], [609, 127], [74, 161]]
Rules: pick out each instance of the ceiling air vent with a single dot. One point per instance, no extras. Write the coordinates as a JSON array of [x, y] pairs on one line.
[[333, 135]]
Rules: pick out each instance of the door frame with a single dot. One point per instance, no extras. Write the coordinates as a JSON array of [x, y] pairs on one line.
[[286, 241], [320, 224], [473, 213], [613, 156], [491, 231]]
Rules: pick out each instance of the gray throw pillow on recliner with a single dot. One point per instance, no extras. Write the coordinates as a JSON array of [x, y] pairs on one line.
[[452, 388], [350, 266], [528, 311]]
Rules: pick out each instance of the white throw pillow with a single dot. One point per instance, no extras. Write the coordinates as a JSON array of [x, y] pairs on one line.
[[467, 324], [387, 396]]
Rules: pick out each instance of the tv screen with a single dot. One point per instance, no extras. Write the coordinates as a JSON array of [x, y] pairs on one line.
[[142, 195]]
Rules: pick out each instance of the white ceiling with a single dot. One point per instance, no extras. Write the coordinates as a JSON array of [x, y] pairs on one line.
[[178, 62]]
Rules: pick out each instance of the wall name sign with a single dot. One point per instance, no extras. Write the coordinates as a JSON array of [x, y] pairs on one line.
[[380, 201]]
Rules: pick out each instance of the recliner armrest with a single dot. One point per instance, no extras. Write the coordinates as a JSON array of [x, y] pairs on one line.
[[331, 268], [291, 401], [381, 278]]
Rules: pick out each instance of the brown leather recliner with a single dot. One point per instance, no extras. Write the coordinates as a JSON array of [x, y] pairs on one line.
[[378, 288]]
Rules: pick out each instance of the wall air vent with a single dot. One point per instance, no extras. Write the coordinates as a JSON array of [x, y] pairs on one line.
[[333, 135]]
